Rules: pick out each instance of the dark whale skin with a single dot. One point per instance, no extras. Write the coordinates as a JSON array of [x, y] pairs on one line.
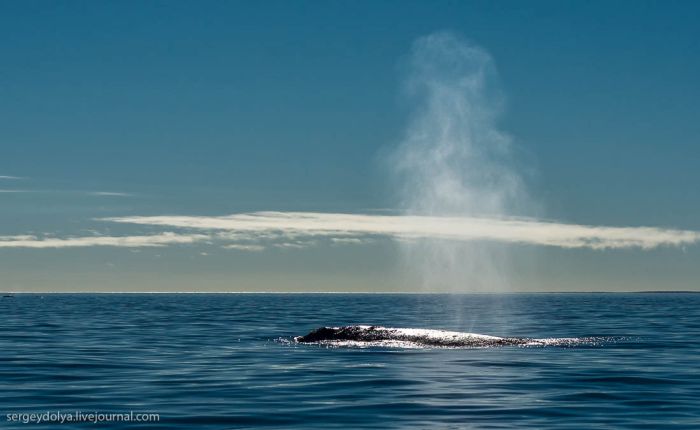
[[356, 333]]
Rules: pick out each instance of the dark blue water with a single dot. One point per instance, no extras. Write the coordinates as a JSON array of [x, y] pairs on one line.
[[216, 362]]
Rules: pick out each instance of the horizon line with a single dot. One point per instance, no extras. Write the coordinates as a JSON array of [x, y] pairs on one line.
[[358, 292]]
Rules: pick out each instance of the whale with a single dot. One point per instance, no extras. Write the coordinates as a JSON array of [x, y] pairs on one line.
[[378, 336], [365, 335]]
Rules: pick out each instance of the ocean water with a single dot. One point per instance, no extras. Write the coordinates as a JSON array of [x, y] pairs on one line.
[[228, 361]]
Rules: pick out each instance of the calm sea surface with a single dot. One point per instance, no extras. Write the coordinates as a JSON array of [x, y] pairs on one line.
[[221, 361]]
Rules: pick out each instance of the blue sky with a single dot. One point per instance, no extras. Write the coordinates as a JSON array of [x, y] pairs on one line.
[[217, 108]]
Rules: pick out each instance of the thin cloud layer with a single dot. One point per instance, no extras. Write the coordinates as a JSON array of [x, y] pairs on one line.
[[87, 193], [162, 239], [293, 225], [254, 232], [108, 194]]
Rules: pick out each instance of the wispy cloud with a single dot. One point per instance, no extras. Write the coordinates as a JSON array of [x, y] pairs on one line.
[[88, 193], [295, 245], [11, 178], [162, 239], [244, 247], [108, 194], [350, 240], [270, 225], [257, 231]]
